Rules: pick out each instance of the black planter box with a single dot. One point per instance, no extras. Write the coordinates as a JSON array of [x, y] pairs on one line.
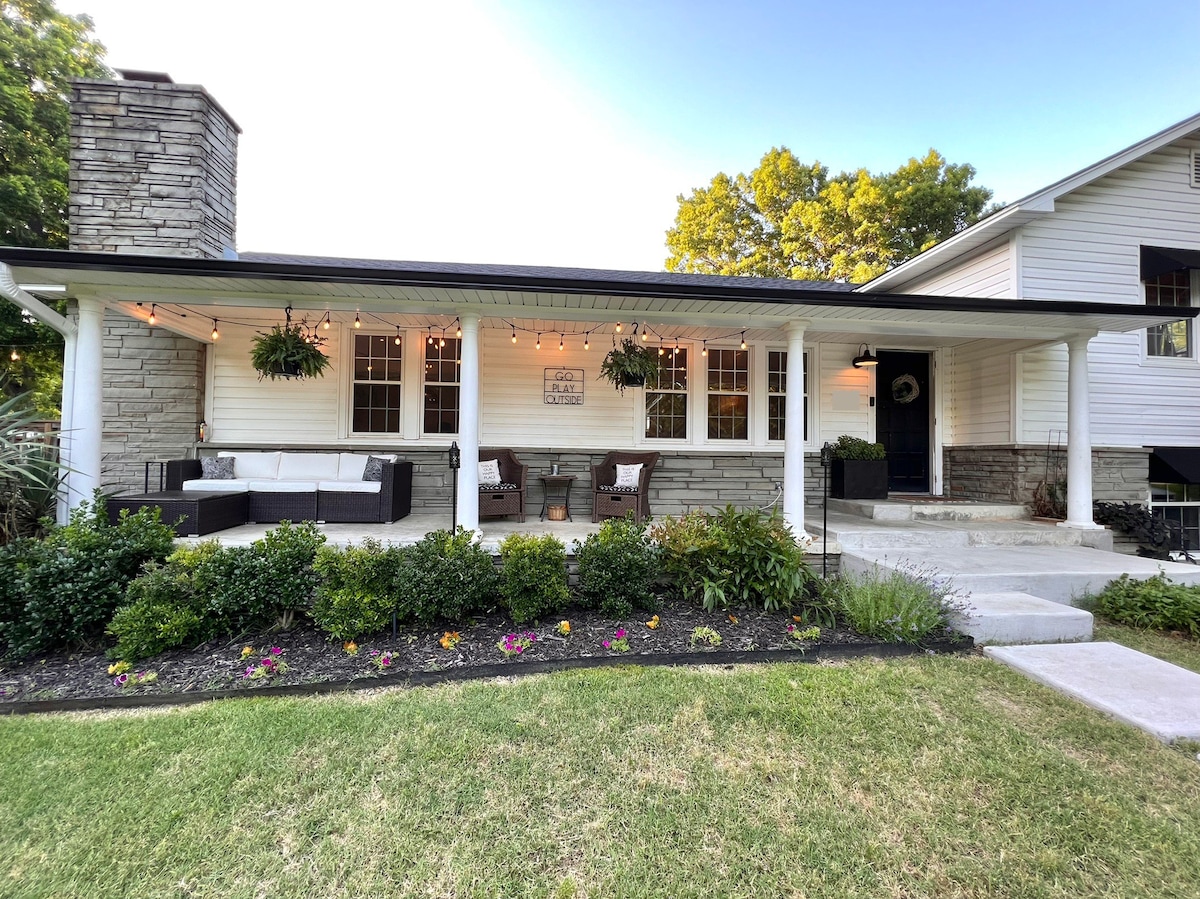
[[858, 479]]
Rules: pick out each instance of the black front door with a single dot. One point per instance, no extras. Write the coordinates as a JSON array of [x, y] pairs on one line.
[[902, 418]]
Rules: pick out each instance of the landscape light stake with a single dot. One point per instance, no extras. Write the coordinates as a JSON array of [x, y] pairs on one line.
[[455, 464], [826, 456]]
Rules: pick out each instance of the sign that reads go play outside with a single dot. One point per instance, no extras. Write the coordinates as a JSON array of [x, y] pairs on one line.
[[563, 387]]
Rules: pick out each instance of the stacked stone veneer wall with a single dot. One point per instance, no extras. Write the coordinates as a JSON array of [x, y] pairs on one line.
[[1011, 474], [153, 169], [154, 384], [681, 481]]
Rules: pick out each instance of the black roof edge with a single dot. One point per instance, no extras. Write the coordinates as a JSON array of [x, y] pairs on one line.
[[634, 287]]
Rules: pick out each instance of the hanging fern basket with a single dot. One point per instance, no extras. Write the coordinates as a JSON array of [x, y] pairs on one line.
[[288, 351]]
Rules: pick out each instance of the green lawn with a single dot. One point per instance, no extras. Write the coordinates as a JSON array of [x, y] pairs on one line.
[[930, 776], [1173, 648]]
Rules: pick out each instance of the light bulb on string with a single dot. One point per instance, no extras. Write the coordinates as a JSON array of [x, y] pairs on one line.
[[645, 334], [618, 327], [457, 328], [327, 322], [661, 351], [15, 356], [514, 337], [442, 342], [538, 345], [704, 349], [397, 335], [430, 341], [153, 319], [586, 345], [560, 343], [743, 346], [216, 335], [357, 321]]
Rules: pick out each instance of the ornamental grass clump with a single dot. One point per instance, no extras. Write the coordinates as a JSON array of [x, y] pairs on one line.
[[617, 568], [533, 575], [896, 606], [734, 557]]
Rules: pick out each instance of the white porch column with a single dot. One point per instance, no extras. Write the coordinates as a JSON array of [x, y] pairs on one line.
[[66, 426], [1079, 437], [793, 436], [468, 423], [87, 414]]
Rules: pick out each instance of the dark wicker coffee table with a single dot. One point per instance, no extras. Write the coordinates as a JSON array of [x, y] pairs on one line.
[[202, 513]]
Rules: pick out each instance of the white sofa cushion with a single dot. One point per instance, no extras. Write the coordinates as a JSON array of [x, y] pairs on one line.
[[308, 466], [350, 486], [280, 486], [351, 465], [216, 485], [254, 465]]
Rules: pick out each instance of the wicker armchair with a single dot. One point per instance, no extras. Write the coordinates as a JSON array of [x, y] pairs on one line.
[[610, 503], [507, 498]]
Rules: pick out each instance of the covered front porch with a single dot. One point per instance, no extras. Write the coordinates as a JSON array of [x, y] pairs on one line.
[[755, 375]]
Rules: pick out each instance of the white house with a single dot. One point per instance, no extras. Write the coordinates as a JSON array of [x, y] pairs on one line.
[[1125, 230], [980, 350]]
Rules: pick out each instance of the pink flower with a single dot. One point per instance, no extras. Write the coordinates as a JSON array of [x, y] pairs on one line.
[[519, 649], [120, 680], [374, 652], [620, 633], [275, 650], [387, 660], [607, 645], [791, 627], [249, 672]]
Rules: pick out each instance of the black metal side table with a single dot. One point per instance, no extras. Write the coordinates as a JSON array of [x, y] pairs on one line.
[[556, 486]]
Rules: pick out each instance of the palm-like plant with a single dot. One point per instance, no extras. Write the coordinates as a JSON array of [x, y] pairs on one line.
[[30, 471]]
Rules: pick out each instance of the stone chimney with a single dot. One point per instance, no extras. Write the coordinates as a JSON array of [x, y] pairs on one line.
[[153, 168]]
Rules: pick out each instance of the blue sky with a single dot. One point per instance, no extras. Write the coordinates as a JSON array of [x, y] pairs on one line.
[[558, 132]]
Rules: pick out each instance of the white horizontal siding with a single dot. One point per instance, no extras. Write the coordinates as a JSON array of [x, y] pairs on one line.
[[243, 409], [1088, 249], [844, 395], [986, 274], [979, 386]]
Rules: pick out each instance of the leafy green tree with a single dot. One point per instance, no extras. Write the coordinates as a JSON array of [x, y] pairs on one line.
[[787, 219], [41, 50]]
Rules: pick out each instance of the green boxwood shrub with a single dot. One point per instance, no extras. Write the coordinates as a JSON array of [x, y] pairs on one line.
[[744, 557], [445, 575], [160, 613], [533, 575], [62, 590], [1156, 603], [357, 591], [617, 568], [895, 606]]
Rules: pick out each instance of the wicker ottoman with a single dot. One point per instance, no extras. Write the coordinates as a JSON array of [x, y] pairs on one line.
[[201, 513], [493, 504], [615, 505]]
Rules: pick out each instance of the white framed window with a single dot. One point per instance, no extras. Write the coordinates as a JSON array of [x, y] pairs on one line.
[[443, 360], [777, 368], [728, 394], [1173, 340], [377, 389], [1179, 503], [667, 397]]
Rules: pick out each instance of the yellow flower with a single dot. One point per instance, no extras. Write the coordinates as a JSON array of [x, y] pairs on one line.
[[652, 623], [564, 628], [350, 647], [733, 619], [797, 619], [247, 651], [450, 639], [119, 667]]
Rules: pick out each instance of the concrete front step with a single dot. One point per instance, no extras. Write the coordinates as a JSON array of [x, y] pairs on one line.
[[862, 533], [998, 618], [931, 510], [1155, 696], [1063, 574]]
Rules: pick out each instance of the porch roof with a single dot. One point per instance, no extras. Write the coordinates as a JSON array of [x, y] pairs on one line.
[[503, 291]]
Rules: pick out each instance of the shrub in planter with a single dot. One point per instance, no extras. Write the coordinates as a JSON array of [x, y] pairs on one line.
[[1155, 603], [445, 575], [899, 607], [63, 590], [533, 575], [858, 470], [617, 568], [733, 557], [356, 593]]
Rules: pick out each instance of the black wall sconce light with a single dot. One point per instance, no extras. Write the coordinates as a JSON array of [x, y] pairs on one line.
[[865, 358]]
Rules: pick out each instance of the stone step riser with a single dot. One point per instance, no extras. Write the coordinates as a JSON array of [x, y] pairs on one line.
[[899, 511], [1018, 618]]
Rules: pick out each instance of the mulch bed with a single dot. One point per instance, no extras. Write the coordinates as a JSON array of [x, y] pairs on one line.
[[81, 679]]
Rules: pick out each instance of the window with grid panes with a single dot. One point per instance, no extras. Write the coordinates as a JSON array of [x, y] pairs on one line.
[[1174, 339], [1179, 503], [376, 392], [666, 396], [728, 394], [441, 386], [777, 363]]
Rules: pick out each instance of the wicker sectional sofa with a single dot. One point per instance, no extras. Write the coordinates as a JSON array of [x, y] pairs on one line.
[[306, 486]]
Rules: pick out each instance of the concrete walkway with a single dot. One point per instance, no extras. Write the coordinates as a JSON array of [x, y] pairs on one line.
[[1155, 696]]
